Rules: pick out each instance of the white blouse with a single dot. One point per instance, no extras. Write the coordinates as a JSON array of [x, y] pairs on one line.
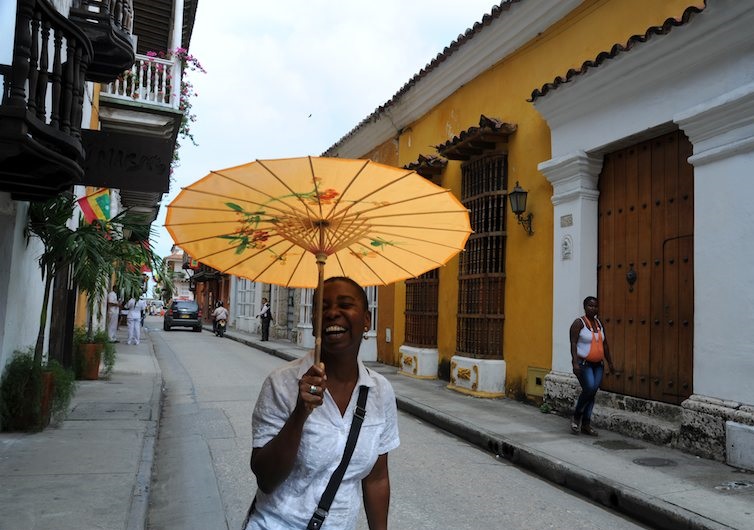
[[293, 502]]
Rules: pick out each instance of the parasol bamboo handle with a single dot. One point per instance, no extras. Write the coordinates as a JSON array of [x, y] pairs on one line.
[[321, 259]]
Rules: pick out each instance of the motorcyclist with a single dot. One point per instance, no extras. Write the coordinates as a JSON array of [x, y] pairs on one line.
[[220, 313]]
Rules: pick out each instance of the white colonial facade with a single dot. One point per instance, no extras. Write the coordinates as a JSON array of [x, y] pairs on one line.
[[699, 79]]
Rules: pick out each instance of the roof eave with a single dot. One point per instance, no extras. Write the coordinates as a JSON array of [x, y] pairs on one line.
[[478, 50]]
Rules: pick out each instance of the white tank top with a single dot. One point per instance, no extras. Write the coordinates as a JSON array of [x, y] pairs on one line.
[[584, 344]]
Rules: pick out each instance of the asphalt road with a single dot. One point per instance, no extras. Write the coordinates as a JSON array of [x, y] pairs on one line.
[[202, 478]]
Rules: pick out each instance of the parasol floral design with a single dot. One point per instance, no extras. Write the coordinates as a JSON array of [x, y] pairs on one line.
[[249, 236]]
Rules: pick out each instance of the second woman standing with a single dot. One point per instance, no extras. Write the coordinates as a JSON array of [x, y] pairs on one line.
[[589, 351]]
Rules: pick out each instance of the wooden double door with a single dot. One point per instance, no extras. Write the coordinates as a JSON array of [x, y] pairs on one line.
[[646, 267]]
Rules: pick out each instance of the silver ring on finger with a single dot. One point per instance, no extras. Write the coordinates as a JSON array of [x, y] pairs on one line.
[[313, 390]]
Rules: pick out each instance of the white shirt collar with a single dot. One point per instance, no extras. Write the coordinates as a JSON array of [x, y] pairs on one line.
[[365, 377]]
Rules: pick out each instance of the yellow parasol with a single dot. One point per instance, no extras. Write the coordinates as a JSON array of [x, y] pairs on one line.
[[293, 221]]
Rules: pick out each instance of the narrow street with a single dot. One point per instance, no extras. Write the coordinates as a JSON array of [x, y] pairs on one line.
[[202, 479]]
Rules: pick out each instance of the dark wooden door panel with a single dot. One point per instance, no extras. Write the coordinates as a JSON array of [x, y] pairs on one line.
[[645, 267], [639, 377], [686, 317]]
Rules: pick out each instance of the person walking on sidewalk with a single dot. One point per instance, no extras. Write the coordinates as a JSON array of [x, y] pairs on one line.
[[133, 316], [589, 351], [266, 315], [113, 313], [302, 419]]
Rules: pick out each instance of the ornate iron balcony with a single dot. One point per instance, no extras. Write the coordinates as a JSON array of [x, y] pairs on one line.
[[42, 100], [109, 25]]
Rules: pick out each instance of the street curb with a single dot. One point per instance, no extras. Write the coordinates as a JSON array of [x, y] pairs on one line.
[[647, 509], [139, 508], [255, 344]]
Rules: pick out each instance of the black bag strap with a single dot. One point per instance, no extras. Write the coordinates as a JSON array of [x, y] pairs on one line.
[[315, 523]]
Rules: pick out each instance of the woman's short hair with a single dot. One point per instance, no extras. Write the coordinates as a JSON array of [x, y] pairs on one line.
[[358, 287], [589, 299]]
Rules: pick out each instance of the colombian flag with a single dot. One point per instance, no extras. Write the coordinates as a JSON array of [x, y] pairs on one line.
[[96, 205]]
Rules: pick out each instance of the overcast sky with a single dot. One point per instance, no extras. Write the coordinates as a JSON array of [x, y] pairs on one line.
[[287, 79]]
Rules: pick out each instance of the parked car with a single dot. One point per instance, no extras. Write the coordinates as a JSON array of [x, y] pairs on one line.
[[183, 313]]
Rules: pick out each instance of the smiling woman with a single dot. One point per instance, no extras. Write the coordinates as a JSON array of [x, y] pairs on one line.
[[306, 413]]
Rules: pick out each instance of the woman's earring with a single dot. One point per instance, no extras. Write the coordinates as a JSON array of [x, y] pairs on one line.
[[364, 337]]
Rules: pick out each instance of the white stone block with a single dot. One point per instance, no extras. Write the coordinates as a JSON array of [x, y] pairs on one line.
[[739, 445], [478, 377], [418, 362], [305, 336]]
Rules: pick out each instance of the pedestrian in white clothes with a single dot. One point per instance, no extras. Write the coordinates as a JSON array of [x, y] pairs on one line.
[[134, 308], [113, 312]]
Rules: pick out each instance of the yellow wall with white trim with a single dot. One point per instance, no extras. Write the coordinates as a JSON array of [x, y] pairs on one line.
[[502, 92]]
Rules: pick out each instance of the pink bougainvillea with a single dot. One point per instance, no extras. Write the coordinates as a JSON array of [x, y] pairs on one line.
[[189, 63]]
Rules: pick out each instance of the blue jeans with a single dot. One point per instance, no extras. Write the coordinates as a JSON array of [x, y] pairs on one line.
[[590, 380]]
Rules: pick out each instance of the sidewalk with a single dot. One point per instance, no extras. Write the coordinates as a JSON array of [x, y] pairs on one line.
[[94, 469], [662, 487]]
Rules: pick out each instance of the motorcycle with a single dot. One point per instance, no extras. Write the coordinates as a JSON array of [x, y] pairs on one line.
[[220, 331]]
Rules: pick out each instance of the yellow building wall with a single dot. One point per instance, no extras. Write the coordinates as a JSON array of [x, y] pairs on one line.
[[502, 93], [391, 298], [81, 298]]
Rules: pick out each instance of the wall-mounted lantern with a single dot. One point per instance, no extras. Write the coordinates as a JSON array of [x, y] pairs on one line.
[[518, 207]]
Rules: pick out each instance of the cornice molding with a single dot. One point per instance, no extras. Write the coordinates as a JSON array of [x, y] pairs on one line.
[[712, 35], [492, 44], [721, 127], [573, 176]]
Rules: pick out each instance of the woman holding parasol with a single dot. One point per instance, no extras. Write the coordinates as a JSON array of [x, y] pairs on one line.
[[370, 222], [302, 420]]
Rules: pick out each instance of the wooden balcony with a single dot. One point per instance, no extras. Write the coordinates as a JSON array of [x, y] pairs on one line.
[[41, 151], [109, 26]]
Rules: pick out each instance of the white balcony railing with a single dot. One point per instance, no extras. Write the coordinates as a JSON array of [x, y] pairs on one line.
[[150, 80]]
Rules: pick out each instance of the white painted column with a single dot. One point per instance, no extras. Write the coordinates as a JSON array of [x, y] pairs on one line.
[[175, 42], [305, 327], [368, 350], [574, 180], [722, 132], [233, 305]]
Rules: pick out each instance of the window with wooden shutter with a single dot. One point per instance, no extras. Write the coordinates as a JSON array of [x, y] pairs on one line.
[[421, 310], [481, 275]]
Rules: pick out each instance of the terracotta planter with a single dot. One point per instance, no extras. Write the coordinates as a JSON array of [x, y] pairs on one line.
[[91, 354], [35, 414]]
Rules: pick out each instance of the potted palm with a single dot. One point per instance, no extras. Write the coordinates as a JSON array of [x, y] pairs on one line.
[[91, 350], [92, 271], [91, 251], [48, 221], [94, 252], [97, 262]]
